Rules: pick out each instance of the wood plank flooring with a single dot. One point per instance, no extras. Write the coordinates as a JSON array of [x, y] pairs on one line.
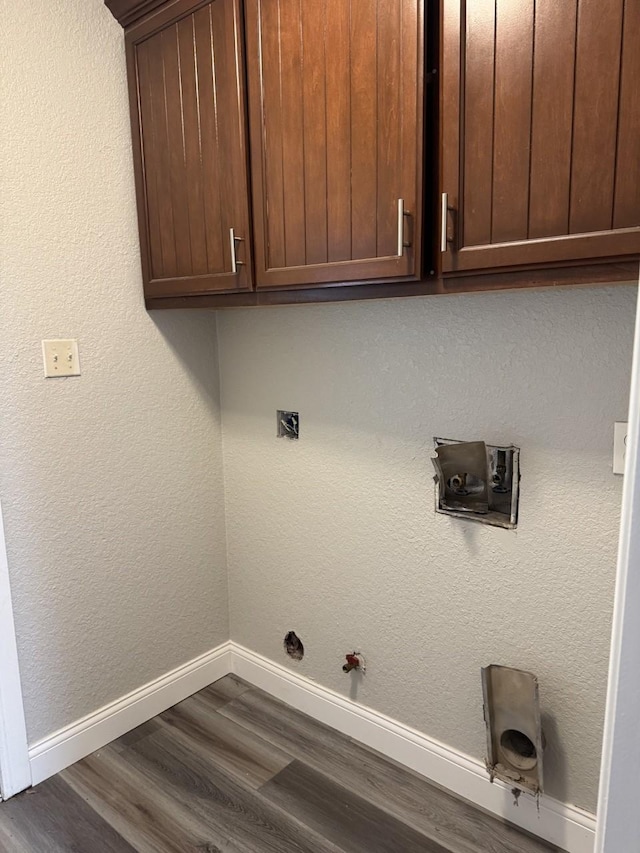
[[232, 770]]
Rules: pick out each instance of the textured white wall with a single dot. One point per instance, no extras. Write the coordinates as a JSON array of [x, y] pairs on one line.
[[110, 482], [335, 535]]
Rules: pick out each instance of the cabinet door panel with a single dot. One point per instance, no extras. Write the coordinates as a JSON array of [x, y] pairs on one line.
[[477, 115], [389, 121], [551, 131], [314, 137], [339, 133], [287, 40], [627, 191], [364, 136], [595, 115], [512, 123], [540, 112], [335, 93], [187, 99]]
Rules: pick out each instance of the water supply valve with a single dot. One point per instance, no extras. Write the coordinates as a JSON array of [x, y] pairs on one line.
[[355, 660]]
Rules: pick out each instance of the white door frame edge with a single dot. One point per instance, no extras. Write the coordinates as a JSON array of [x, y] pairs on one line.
[[15, 771]]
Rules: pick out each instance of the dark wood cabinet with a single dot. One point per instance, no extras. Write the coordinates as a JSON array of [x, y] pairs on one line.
[[187, 103], [335, 93], [540, 132], [336, 127], [289, 150]]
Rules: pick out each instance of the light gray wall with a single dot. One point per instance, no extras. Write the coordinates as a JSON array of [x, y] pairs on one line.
[[111, 482], [335, 535]]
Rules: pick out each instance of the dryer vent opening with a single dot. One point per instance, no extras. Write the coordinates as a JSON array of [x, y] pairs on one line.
[[515, 741], [518, 750], [293, 646]]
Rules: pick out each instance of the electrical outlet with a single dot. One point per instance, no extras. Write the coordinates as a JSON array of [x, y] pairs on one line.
[[60, 358], [619, 446]]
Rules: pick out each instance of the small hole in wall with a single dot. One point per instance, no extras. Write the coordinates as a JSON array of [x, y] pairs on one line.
[[293, 646]]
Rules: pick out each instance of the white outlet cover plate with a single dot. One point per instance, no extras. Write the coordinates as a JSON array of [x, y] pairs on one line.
[[619, 446], [60, 358]]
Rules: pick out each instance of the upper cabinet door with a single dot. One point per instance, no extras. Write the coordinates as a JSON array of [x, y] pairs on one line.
[[540, 146], [187, 102], [335, 95]]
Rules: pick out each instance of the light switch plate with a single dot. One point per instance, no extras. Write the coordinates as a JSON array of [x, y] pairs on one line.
[[619, 446], [60, 358]]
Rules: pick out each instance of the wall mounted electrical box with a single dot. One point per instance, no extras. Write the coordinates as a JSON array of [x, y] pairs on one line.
[[477, 481], [288, 424]]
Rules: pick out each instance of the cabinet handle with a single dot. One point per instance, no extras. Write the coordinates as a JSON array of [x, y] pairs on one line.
[[401, 215], [444, 215], [235, 263]]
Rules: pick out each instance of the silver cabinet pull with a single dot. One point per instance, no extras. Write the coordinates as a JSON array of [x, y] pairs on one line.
[[444, 215], [401, 215], [235, 263]]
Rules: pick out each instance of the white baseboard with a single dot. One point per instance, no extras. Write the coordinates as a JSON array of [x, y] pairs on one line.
[[92, 732], [566, 826]]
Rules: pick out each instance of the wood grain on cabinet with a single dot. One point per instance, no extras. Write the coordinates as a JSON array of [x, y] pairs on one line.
[[335, 95], [188, 120], [540, 132]]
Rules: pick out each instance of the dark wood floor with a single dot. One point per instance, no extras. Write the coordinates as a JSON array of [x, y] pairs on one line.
[[232, 770]]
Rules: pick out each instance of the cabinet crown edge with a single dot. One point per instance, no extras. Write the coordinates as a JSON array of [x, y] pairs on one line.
[[126, 12]]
